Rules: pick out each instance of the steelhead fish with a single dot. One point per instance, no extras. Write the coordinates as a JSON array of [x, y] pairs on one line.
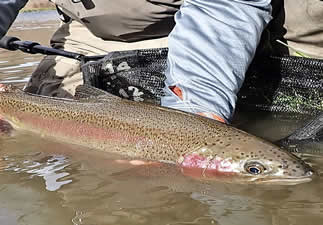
[[199, 146]]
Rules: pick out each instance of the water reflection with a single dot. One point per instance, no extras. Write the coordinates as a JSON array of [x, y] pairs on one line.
[[50, 170]]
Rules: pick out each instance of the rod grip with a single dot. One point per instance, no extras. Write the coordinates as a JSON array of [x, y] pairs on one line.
[[7, 43]]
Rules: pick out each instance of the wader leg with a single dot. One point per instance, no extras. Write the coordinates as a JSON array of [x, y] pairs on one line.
[[59, 76], [206, 66], [304, 24]]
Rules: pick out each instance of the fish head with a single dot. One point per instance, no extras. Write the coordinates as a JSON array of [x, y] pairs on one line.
[[245, 159]]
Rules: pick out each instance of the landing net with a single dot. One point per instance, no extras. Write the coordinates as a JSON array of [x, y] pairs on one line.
[[277, 84]]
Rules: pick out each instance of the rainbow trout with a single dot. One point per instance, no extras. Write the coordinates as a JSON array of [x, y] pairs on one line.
[[198, 146]]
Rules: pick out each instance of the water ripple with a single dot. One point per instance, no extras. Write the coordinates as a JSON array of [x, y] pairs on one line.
[[22, 65]]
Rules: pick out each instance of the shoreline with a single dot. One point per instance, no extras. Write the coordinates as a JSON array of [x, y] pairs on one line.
[[37, 9], [38, 5]]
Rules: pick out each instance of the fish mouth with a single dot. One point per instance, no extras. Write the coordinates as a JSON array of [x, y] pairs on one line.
[[231, 177], [288, 180], [284, 181]]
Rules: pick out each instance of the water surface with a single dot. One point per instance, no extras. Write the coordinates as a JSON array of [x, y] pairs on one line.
[[46, 182], [16, 67]]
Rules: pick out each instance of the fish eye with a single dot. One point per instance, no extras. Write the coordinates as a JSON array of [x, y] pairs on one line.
[[254, 168]]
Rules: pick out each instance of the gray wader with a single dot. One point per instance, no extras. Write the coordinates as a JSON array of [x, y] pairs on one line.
[[128, 25], [59, 76], [304, 24]]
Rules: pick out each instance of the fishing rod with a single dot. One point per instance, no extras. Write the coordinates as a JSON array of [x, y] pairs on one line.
[[31, 47]]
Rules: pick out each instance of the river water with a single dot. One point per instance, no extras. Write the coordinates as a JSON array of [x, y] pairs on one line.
[[46, 182]]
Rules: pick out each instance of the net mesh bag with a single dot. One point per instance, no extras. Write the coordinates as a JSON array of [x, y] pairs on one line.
[[277, 84]]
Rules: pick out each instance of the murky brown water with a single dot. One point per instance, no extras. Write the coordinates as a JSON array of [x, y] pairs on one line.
[[16, 67], [45, 182]]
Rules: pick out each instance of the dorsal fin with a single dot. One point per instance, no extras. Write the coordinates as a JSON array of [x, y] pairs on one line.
[[87, 91]]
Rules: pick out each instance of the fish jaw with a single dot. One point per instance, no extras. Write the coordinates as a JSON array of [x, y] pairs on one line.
[[284, 181]]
